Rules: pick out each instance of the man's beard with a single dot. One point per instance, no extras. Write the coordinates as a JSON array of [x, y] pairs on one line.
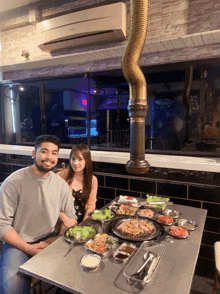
[[42, 168]]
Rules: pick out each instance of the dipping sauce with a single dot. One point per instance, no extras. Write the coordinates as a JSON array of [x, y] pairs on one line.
[[188, 226], [127, 249], [172, 214], [121, 255], [90, 261]]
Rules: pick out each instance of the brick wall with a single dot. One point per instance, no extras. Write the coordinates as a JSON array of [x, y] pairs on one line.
[[167, 19]]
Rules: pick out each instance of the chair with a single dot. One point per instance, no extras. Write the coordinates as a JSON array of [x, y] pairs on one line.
[[217, 265]]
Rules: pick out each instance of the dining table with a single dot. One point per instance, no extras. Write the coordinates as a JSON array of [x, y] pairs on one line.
[[173, 274]]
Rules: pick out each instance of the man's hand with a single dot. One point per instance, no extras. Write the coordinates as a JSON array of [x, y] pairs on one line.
[[33, 249], [69, 222], [51, 240]]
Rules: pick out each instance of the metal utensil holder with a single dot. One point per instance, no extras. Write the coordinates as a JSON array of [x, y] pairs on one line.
[[138, 259]]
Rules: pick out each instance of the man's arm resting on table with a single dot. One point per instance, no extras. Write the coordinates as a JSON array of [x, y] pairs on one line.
[[12, 238]]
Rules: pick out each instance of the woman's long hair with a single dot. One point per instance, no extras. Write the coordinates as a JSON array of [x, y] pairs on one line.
[[87, 173]]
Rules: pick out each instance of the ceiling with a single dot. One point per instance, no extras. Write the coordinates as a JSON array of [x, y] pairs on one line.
[[12, 4]]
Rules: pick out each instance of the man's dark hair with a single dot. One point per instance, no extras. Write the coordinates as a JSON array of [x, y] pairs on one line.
[[47, 138]]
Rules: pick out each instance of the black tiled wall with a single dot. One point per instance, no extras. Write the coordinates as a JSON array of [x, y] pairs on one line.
[[187, 188]]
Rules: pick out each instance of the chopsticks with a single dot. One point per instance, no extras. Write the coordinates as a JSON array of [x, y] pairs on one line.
[[70, 248]]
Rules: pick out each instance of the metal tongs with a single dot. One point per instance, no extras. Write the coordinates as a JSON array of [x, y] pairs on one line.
[[142, 272], [158, 202]]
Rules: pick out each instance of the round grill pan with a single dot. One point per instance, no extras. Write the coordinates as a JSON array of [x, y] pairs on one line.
[[154, 234]]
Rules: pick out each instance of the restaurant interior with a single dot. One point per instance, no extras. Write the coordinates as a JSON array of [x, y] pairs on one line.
[[79, 93]]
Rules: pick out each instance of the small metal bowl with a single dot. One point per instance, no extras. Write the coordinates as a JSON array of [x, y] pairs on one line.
[[190, 225], [90, 261], [178, 237], [171, 212], [163, 223], [121, 256]]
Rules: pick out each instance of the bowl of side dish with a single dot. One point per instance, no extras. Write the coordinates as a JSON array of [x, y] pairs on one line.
[[171, 212], [190, 225], [178, 232], [146, 213], [90, 261], [104, 215], [165, 220]]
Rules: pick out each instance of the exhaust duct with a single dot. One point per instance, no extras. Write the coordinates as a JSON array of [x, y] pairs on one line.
[[137, 105]]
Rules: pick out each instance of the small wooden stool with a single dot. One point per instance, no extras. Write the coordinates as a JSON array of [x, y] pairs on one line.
[[217, 265]]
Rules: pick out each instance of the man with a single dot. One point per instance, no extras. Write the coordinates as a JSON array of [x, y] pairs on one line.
[[31, 200]]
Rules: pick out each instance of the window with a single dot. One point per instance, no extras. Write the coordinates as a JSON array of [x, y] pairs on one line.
[[93, 109]]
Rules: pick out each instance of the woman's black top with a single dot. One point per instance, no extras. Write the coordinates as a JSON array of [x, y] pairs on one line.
[[80, 209]]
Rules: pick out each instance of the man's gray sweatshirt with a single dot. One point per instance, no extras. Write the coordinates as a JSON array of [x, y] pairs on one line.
[[31, 204]]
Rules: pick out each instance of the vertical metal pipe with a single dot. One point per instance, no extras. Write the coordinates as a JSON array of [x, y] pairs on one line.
[[137, 87]]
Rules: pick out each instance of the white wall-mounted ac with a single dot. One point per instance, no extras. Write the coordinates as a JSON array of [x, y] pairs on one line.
[[91, 26]]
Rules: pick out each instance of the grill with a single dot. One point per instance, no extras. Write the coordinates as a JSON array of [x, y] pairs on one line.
[[156, 238]]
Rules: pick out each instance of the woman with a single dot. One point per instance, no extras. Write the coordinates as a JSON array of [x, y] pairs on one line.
[[82, 182]]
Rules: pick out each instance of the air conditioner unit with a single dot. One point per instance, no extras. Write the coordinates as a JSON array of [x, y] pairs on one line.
[[91, 26]]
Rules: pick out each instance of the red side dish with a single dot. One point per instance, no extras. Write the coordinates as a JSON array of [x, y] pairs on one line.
[[179, 232], [146, 213], [165, 219]]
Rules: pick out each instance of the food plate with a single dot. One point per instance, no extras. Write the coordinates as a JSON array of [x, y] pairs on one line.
[[126, 210], [90, 261], [165, 220], [101, 237], [70, 238], [178, 232], [146, 213], [127, 199], [157, 208], [98, 248], [190, 225], [171, 212], [103, 213], [105, 238], [118, 226]]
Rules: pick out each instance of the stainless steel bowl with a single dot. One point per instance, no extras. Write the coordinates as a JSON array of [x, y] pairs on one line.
[[178, 237], [190, 225], [90, 261], [172, 212]]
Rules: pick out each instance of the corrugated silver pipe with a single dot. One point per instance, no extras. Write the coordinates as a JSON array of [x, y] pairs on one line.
[[137, 106]]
